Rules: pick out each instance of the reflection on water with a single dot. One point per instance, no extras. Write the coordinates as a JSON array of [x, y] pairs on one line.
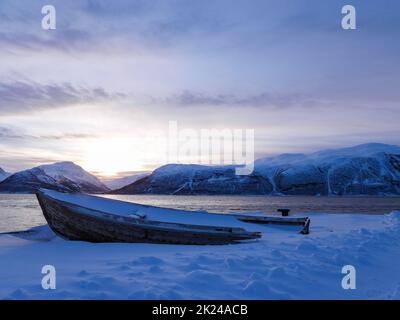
[[20, 212]]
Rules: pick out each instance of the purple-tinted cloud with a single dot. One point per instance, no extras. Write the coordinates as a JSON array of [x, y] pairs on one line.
[[12, 134], [189, 99], [21, 96]]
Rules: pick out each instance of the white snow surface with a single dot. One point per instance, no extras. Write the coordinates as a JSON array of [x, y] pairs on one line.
[[281, 265]]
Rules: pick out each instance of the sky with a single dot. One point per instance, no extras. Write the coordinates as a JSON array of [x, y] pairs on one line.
[[114, 73]]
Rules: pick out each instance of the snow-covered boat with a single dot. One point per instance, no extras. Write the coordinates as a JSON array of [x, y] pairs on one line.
[[97, 219]]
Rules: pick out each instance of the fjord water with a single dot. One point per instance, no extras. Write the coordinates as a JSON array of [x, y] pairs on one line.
[[20, 212]]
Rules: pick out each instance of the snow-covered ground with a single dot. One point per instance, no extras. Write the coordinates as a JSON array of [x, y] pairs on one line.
[[282, 265]]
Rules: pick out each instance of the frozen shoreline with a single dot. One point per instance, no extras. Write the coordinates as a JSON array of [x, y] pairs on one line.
[[282, 265]]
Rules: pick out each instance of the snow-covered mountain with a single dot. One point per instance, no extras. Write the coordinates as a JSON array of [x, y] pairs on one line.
[[369, 169], [197, 179], [61, 176], [364, 169], [3, 175], [118, 183]]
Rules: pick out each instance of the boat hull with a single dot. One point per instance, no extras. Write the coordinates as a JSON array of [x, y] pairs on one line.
[[74, 222], [304, 221]]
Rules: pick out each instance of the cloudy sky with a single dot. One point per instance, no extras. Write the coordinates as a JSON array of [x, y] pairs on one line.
[[92, 90]]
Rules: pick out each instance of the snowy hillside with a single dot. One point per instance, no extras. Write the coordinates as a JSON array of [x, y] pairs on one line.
[[73, 172], [196, 179], [3, 175], [369, 169], [62, 176]]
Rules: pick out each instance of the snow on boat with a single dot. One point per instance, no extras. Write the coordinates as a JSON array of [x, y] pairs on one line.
[[95, 219]]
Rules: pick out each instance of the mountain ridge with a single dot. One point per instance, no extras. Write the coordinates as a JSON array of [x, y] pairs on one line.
[[60, 176], [369, 169], [3, 174], [118, 183]]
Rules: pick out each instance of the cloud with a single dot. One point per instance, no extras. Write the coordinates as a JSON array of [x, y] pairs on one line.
[[7, 133], [13, 161], [68, 136], [63, 40], [11, 134], [168, 23], [25, 96], [265, 99]]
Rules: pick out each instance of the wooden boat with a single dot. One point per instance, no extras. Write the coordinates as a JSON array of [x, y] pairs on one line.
[[297, 221], [97, 219]]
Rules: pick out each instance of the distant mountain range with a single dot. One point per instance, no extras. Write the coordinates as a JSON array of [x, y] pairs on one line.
[[3, 175], [368, 169], [61, 176], [118, 183]]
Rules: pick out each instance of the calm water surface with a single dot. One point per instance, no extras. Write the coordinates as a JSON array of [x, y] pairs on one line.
[[20, 212]]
